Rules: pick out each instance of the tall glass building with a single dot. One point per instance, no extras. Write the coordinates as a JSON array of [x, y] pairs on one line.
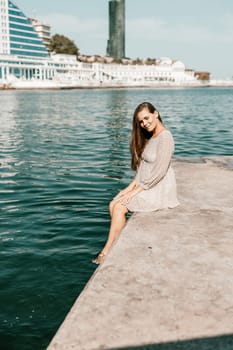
[[17, 34]]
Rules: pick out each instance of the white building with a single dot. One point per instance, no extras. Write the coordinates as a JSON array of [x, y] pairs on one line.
[[26, 62], [43, 30], [17, 34]]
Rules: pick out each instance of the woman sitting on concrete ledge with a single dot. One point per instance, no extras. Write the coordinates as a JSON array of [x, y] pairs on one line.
[[154, 186]]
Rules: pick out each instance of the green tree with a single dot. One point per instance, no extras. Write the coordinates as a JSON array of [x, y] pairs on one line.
[[62, 44]]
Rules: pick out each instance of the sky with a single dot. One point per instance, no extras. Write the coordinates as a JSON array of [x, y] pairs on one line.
[[197, 32]]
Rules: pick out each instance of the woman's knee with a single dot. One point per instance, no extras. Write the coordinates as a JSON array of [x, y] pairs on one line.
[[111, 206], [119, 208]]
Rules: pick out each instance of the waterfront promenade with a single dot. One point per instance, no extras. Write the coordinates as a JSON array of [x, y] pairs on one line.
[[167, 283]]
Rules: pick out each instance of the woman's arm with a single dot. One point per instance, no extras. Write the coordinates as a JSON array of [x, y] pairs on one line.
[[125, 197], [129, 188]]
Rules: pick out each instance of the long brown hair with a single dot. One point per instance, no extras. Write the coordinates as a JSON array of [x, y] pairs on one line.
[[139, 136]]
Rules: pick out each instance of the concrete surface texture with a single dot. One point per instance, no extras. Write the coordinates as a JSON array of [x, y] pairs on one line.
[[167, 283]]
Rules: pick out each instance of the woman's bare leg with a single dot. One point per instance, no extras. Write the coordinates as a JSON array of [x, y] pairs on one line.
[[111, 206], [118, 220]]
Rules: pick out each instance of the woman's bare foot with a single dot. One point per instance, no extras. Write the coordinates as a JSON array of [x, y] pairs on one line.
[[99, 259]]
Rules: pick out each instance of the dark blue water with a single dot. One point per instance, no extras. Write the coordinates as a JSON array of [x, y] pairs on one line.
[[63, 156]]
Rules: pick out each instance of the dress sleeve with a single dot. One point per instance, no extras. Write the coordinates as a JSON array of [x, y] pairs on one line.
[[165, 149]]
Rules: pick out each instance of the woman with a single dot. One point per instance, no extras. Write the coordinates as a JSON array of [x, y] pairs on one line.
[[154, 186]]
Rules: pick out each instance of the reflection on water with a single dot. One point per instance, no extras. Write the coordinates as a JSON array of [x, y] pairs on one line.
[[64, 155]]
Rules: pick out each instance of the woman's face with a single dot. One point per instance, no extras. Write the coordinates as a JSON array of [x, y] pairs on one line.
[[147, 120]]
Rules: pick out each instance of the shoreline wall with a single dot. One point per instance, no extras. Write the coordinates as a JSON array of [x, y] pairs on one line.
[[168, 279]]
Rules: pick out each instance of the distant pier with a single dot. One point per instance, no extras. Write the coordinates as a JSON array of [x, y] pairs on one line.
[[167, 283]]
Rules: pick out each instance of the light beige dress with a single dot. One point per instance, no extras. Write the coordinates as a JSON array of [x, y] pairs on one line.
[[156, 176]]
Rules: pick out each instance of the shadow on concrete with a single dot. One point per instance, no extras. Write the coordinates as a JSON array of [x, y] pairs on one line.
[[224, 342]]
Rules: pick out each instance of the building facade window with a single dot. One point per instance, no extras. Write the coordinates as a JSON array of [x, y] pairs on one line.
[[18, 36]]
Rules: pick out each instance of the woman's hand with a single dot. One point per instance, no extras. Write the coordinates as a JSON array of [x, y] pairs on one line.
[[124, 197], [121, 194], [126, 190]]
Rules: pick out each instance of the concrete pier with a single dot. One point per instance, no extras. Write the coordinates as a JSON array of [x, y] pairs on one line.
[[167, 283]]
